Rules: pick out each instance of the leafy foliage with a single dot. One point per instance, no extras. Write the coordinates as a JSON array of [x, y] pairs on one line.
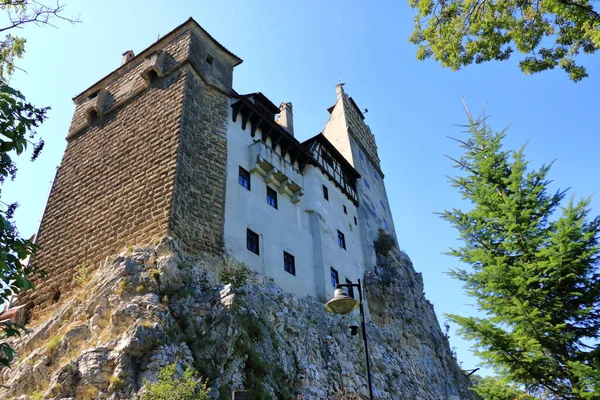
[[550, 33], [18, 120], [492, 388], [534, 274], [172, 386]]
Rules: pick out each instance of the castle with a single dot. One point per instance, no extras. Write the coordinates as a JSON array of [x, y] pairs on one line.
[[164, 145]]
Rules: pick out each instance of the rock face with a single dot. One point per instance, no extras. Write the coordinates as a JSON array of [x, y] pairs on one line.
[[155, 306]]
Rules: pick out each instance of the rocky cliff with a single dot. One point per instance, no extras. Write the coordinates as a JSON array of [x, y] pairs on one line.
[[154, 306]]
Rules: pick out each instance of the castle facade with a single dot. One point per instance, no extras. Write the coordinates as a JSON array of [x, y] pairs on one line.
[[164, 145]]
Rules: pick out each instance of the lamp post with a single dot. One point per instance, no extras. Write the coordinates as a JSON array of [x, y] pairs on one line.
[[344, 304]]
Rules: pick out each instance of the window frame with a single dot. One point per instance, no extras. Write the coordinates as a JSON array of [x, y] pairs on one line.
[[350, 288], [272, 197], [345, 209], [252, 236], [341, 239], [325, 193], [333, 273], [367, 184], [289, 257], [244, 177]]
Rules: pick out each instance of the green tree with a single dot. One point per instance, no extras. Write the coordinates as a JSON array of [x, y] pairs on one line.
[[171, 386], [549, 33], [492, 388], [533, 273], [18, 122]]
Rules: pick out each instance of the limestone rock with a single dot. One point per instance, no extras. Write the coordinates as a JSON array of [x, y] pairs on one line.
[[155, 306]]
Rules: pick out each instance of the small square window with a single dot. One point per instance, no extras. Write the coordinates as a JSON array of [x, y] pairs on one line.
[[373, 210], [252, 241], [341, 240], [387, 227], [272, 197], [355, 221], [209, 59], [382, 205], [350, 288], [367, 184], [334, 277], [325, 193], [376, 175], [244, 178], [345, 210], [289, 263]]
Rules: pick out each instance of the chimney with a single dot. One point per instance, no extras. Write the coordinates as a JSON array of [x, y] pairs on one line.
[[286, 117], [127, 56]]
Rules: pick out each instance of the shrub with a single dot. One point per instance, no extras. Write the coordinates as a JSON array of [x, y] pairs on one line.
[[169, 386], [236, 274], [384, 243]]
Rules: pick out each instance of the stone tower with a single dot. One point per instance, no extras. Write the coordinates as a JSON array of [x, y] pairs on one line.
[[352, 137], [145, 158]]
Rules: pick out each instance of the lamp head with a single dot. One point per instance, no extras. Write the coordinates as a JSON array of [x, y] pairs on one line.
[[341, 303]]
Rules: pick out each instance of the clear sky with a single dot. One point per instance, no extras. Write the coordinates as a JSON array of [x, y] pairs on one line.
[[298, 51]]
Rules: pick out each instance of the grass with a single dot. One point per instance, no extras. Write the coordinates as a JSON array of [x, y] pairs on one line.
[[87, 393], [145, 324], [116, 381], [82, 274], [154, 274], [53, 343]]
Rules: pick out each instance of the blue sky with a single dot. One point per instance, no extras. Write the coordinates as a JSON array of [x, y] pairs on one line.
[[298, 51]]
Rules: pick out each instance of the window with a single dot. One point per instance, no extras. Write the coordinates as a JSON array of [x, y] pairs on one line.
[[367, 184], [382, 205], [350, 288], [345, 210], [361, 155], [252, 241], [289, 263], [272, 197], [387, 227], [376, 175], [341, 240], [244, 178], [355, 221], [209, 59], [334, 277], [325, 193], [373, 210]]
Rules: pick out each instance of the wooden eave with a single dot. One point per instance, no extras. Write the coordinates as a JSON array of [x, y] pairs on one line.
[[334, 152], [257, 118]]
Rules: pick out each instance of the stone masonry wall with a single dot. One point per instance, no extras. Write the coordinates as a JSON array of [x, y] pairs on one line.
[[115, 183], [361, 132], [199, 200]]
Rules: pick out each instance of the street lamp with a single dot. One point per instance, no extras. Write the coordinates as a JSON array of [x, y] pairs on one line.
[[344, 304]]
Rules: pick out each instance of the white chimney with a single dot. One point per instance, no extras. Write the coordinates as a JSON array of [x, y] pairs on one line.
[[286, 117], [127, 56]]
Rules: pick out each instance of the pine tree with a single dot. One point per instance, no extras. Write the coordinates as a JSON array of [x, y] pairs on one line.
[[533, 271]]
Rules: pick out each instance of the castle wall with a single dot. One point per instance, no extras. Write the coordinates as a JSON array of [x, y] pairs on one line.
[[307, 229], [348, 262], [198, 211], [114, 184], [353, 138], [282, 229]]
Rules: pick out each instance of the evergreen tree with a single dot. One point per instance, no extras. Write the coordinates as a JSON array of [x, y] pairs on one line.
[[533, 273]]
